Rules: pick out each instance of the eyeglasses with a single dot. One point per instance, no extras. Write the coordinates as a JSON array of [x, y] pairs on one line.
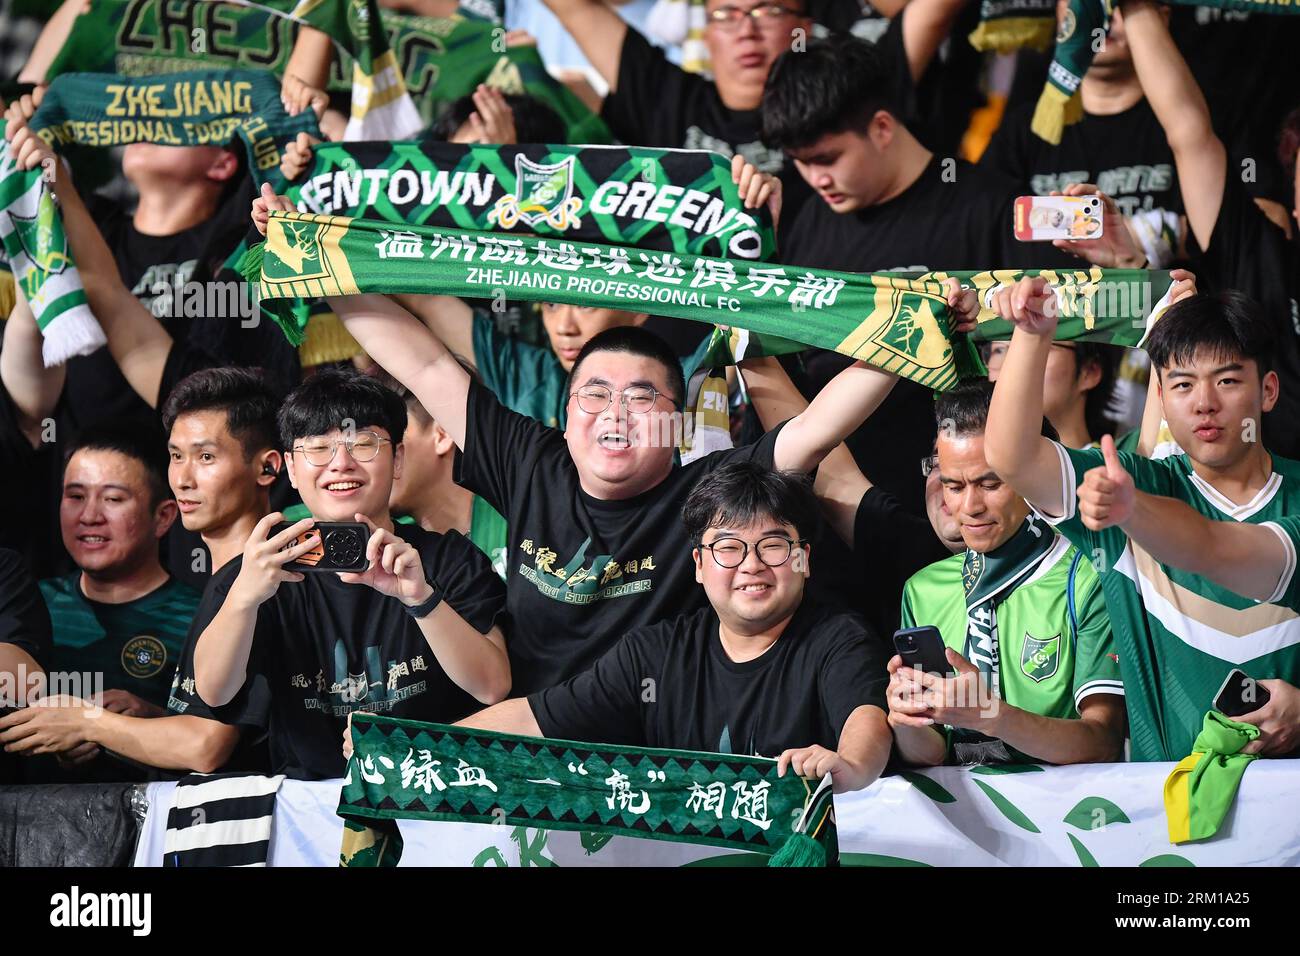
[[764, 16], [773, 550], [363, 446], [637, 399], [928, 464]]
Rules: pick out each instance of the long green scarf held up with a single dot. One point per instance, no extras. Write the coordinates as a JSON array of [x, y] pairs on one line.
[[683, 200], [1007, 25], [33, 242], [408, 770], [199, 108]]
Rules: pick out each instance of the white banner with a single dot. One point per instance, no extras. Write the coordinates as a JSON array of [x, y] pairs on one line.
[[1093, 815]]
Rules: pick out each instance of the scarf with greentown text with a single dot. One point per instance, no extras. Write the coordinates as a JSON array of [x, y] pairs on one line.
[[438, 60], [678, 200], [409, 770], [1007, 25], [35, 248], [988, 579], [198, 108]]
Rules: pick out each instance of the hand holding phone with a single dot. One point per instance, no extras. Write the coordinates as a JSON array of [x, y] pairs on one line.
[[1240, 694], [340, 546], [922, 648], [1044, 218]]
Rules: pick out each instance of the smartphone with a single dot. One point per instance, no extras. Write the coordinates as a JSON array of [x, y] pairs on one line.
[[342, 547], [1043, 218], [1240, 694], [922, 649]]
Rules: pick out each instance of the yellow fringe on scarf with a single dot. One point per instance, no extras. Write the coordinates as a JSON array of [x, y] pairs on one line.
[[327, 341], [1014, 33], [1054, 112]]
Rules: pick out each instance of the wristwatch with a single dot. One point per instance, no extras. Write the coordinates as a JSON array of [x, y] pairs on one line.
[[423, 610]]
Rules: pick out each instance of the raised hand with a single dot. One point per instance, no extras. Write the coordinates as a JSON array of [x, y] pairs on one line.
[[1116, 249], [1030, 304], [1107, 496], [262, 571], [267, 203], [964, 304], [395, 569], [756, 188], [297, 156]]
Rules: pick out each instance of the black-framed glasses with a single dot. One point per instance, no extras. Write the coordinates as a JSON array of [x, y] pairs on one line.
[[363, 446], [928, 465], [774, 550], [995, 352], [765, 16], [637, 399]]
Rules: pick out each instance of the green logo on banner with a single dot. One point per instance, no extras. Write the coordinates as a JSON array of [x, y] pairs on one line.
[[45, 245], [542, 187], [1040, 659], [295, 250]]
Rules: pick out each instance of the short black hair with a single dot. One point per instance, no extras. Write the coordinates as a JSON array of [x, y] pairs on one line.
[[333, 396], [139, 440], [746, 491], [1228, 325], [837, 84], [1097, 403], [635, 340], [964, 409], [244, 394], [535, 122]]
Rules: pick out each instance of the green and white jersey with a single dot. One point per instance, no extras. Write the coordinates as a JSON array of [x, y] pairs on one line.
[[1177, 634], [1048, 662]]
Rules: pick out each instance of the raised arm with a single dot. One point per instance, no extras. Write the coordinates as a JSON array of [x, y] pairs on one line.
[[1179, 105], [53, 35], [1013, 441], [1249, 559], [33, 388], [840, 484], [309, 65], [599, 31], [926, 24], [514, 716], [449, 318]]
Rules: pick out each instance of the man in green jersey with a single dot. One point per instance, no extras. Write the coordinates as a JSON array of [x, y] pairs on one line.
[[1023, 618], [1178, 633]]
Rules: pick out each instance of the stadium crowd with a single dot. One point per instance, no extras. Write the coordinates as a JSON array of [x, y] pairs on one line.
[[1100, 535]]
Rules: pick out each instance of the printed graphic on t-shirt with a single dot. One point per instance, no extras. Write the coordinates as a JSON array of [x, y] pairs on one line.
[[764, 159], [162, 284], [144, 656], [375, 690], [584, 580], [1131, 187]]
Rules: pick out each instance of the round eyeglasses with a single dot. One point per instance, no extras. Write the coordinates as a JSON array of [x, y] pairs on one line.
[[774, 550], [637, 399], [363, 446]]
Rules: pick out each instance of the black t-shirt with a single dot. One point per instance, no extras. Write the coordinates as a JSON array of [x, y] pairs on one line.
[[322, 648], [890, 544], [961, 220], [580, 571], [1125, 155], [18, 476], [798, 693], [1248, 253]]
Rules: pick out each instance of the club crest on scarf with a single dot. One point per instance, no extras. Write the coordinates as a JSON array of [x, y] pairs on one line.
[[1040, 659], [544, 192], [46, 246]]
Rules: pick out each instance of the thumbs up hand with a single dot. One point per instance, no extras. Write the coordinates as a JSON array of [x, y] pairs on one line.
[[1107, 496]]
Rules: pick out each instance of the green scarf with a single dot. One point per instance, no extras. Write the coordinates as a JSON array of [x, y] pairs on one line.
[[893, 323], [1007, 25], [440, 60], [1200, 790], [201, 108], [676, 200], [33, 242], [408, 770], [987, 579]]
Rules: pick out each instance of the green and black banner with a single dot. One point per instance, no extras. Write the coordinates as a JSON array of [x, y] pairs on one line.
[[408, 770], [679, 200]]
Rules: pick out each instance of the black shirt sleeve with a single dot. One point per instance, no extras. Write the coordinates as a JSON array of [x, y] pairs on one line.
[[183, 359], [1006, 151], [601, 704], [24, 619], [654, 99], [500, 447], [467, 580], [251, 706], [890, 544], [853, 671]]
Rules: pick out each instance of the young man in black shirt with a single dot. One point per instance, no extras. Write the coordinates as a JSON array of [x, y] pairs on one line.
[[415, 635], [1238, 247], [884, 202], [651, 102], [1118, 146], [761, 671]]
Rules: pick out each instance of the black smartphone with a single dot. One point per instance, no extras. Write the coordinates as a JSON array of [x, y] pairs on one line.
[[922, 648], [342, 547], [1240, 694]]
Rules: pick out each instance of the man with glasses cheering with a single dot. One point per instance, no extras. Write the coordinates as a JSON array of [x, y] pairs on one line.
[[414, 635], [760, 670]]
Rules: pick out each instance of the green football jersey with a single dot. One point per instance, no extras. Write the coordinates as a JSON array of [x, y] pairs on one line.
[[1177, 634], [135, 645], [527, 379], [1048, 660]]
